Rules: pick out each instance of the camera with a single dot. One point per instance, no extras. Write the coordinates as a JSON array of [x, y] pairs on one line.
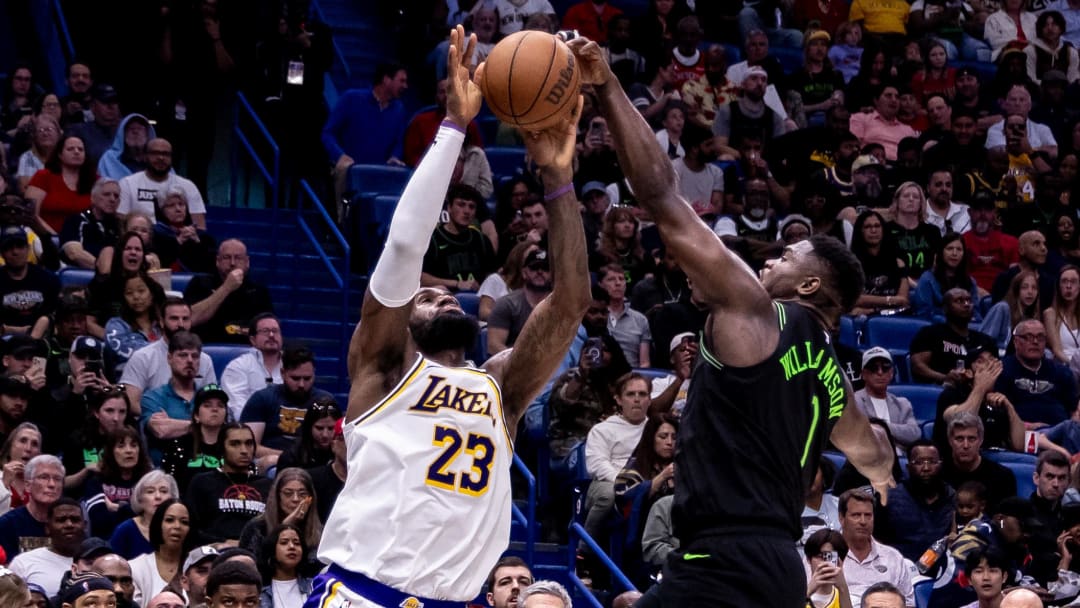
[[567, 35]]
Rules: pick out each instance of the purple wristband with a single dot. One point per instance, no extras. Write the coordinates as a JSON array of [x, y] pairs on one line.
[[453, 125], [559, 192]]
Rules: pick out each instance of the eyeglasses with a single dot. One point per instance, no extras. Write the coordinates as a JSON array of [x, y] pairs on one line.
[[52, 478], [268, 331], [46, 130], [879, 368], [1031, 337], [926, 462]]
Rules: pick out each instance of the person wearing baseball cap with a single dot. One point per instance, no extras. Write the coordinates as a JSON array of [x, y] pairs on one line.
[[596, 200], [86, 590], [195, 571], [669, 392], [329, 479], [38, 288], [876, 402], [990, 251]]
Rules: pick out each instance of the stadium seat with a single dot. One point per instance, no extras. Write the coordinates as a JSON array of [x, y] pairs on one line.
[[653, 373], [489, 129], [893, 333], [180, 280], [849, 331], [1021, 465], [373, 180], [928, 430], [923, 589], [836, 458], [923, 398], [470, 302], [505, 161], [75, 277], [221, 354]]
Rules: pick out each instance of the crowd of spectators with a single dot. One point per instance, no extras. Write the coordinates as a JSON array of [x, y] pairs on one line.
[[938, 140]]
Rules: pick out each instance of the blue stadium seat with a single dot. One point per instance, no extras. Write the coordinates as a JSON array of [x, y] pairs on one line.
[[923, 589], [893, 333], [1021, 465], [75, 277], [923, 398], [837, 458], [470, 302], [849, 334], [504, 160], [489, 129], [928, 430], [221, 354], [180, 280], [373, 180], [479, 352]]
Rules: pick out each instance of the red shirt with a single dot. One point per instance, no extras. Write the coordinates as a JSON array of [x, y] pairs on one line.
[[990, 255], [421, 132], [60, 202], [589, 23]]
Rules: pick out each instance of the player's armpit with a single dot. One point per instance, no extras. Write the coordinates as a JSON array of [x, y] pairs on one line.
[[377, 353]]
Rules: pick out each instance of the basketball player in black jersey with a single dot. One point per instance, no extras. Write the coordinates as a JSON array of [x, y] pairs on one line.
[[766, 393]]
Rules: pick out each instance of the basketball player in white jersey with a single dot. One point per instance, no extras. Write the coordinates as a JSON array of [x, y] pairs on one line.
[[425, 511]]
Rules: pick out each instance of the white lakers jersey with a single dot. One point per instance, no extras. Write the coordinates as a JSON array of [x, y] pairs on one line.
[[426, 503]]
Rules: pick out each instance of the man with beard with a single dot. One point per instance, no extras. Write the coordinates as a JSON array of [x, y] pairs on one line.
[[221, 502], [754, 223], [990, 251], [704, 94], [118, 570], [195, 571], [66, 530], [429, 440], [839, 175], [148, 367], [139, 192], [969, 98], [14, 396], [919, 510], [23, 528], [666, 286], [222, 304], [750, 112], [937, 349], [866, 173], [941, 211], [276, 412], [166, 410], [509, 577], [512, 311], [961, 148], [700, 181]]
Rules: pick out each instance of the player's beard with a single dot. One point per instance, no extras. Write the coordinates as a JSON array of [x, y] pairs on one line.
[[445, 331]]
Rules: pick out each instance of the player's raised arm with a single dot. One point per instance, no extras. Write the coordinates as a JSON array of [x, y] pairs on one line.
[[525, 369], [865, 446], [377, 352], [720, 277]]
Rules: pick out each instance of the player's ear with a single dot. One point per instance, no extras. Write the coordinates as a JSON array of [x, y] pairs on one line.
[[809, 286]]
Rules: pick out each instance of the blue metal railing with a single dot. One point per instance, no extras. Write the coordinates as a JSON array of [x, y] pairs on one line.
[[271, 171], [315, 8], [527, 519], [340, 276], [577, 532]]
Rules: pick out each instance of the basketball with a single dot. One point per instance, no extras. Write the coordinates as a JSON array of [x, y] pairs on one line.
[[531, 80]]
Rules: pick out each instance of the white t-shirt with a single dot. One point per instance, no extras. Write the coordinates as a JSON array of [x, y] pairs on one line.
[[286, 594], [28, 164], [735, 73], [881, 408], [664, 139], [697, 187], [493, 287], [148, 368], [42, 567], [512, 14], [1039, 135], [147, 579], [140, 194]]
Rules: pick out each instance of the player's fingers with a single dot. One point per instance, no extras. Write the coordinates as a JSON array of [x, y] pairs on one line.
[[470, 47], [453, 60], [478, 75], [577, 43]]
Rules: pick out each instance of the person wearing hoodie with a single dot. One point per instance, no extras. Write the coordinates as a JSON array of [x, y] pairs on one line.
[[1049, 50], [127, 154]]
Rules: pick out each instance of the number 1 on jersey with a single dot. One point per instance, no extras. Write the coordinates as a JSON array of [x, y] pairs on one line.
[[473, 482]]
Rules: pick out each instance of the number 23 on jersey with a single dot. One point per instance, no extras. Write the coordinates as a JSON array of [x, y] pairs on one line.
[[473, 481]]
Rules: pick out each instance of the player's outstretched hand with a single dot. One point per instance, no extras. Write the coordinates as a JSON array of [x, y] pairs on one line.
[[594, 68], [462, 94], [881, 478], [553, 148]]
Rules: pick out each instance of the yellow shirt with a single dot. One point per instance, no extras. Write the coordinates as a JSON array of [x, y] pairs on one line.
[[881, 16], [1023, 171]]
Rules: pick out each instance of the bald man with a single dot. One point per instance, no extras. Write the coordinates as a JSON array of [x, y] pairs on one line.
[[166, 599], [1021, 598], [1032, 249], [626, 600]]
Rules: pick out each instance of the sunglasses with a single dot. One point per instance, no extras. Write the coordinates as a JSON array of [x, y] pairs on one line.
[[879, 368]]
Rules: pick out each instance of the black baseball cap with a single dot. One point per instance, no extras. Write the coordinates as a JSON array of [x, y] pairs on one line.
[[537, 257], [13, 235], [15, 388], [22, 346], [983, 199], [92, 548], [210, 391], [105, 93]]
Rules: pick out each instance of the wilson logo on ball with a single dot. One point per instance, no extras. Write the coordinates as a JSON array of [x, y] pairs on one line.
[[566, 76]]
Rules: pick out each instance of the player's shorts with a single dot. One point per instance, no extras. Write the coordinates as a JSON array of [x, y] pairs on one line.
[[340, 588], [734, 569]]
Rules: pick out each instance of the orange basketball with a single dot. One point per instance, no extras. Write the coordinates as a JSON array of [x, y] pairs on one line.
[[531, 80]]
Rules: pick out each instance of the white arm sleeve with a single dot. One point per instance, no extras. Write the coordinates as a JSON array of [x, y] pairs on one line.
[[397, 275]]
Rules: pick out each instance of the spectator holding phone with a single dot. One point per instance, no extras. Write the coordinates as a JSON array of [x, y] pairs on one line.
[[825, 553], [582, 396]]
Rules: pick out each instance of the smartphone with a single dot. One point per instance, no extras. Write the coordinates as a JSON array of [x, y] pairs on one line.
[[37, 365], [94, 366], [592, 352], [831, 557]]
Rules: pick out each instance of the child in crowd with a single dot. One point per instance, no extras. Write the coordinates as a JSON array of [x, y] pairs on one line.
[[1063, 436], [970, 504]]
